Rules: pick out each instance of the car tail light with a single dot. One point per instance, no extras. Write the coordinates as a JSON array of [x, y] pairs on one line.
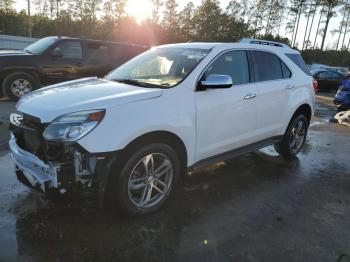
[[315, 85]]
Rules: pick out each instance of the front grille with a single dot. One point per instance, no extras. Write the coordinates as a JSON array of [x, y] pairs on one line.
[[31, 121], [28, 132]]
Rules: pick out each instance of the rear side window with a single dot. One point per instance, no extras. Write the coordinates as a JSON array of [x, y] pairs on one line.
[[267, 66], [298, 60], [234, 64], [97, 54]]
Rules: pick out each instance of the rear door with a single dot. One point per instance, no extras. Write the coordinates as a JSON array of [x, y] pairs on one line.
[[68, 66], [98, 61], [273, 83]]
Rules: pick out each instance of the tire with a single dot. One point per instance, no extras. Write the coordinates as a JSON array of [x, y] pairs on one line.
[[121, 190], [291, 145], [18, 84]]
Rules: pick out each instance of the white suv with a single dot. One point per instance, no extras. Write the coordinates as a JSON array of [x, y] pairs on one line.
[[128, 138]]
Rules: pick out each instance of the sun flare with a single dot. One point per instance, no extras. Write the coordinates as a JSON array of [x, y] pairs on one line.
[[140, 9]]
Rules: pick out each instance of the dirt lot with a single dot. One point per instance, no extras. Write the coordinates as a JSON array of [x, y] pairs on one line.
[[258, 208]]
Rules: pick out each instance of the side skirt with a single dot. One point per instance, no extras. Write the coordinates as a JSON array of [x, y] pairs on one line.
[[234, 153]]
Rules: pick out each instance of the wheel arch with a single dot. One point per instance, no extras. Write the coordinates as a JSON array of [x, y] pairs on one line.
[[304, 109], [166, 137], [7, 71]]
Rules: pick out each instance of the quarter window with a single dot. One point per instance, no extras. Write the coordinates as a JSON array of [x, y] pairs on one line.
[[70, 49], [234, 64], [285, 70]]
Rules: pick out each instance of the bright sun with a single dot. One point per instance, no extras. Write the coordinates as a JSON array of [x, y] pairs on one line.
[[140, 9]]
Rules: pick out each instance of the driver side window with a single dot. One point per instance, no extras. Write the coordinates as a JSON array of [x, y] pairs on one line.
[[69, 50], [234, 64]]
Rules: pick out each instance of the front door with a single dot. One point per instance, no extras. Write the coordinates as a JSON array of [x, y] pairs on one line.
[[65, 62], [226, 118]]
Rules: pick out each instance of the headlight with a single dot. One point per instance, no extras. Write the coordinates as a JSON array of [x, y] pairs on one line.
[[74, 126]]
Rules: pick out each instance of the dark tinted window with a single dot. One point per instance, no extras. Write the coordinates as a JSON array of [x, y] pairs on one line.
[[70, 49], [234, 64], [325, 74], [336, 75], [97, 54], [285, 70], [267, 66], [298, 60]]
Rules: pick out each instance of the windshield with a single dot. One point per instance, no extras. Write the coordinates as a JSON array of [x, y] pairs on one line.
[[40, 46], [159, 67]]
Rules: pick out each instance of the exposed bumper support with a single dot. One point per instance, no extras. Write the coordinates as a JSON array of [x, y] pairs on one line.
[[35, 170]]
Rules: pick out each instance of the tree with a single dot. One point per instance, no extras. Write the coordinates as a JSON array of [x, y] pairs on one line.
[[297, 9], [310, 12], [275, 13], [318, 25], [258, 15], [330, 5], [346, 26], [207, 21], [170, 15], [343, 23], [6, 5], [157, 5], [308, 42], [185, 21]]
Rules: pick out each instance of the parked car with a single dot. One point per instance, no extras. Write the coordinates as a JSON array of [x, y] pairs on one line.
[[56, 59], [328, 80], [129, 138], [342, 97]]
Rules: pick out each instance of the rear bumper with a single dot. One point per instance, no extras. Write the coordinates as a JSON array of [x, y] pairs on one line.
[[35, 171]]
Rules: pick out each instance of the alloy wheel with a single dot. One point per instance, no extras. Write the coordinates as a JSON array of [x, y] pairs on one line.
[[150, 180], [20, 87], [297, 136]]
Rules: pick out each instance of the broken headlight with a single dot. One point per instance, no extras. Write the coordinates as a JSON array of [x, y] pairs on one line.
[[71, 127]]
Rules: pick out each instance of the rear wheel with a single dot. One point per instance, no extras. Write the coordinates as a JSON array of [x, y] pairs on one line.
[[18, 84], [294, 137], [145, 181]]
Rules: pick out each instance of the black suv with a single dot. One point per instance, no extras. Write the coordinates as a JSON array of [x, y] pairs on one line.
[[56, 59]]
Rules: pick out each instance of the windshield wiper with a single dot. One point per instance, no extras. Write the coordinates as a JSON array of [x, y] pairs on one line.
[[27, 51], [133, 82]]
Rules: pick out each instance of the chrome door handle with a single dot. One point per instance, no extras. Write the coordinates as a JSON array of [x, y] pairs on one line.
[[249, 96], [289, 86]]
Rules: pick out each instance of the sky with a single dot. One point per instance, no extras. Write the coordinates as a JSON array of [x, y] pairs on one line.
[[143, 8]]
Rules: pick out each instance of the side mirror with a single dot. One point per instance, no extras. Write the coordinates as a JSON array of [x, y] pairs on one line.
[[57, 53], [217, 81]]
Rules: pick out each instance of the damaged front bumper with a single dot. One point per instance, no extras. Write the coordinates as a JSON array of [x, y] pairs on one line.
[[48, 166], [37, 174]]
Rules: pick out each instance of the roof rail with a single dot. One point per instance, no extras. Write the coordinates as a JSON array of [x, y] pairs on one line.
[[263, 42]]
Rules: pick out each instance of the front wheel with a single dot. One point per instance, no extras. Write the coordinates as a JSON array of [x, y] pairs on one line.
[[18, 84], [294, 138], [145, 181]]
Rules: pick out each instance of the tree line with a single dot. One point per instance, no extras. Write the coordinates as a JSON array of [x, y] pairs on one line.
[[269, 19]]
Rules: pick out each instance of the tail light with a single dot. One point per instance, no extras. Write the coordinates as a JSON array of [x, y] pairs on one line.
[[315, 85]]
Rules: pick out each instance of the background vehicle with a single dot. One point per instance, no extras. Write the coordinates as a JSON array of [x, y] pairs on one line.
[[342, 97], [131, 136], [328, 80], [56, 59]]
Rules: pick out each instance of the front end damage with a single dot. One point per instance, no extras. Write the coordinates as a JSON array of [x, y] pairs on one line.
[[49, 166]]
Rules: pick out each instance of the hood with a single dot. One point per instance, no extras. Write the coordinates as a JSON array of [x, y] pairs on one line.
[[8, 52], [50, 102]]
